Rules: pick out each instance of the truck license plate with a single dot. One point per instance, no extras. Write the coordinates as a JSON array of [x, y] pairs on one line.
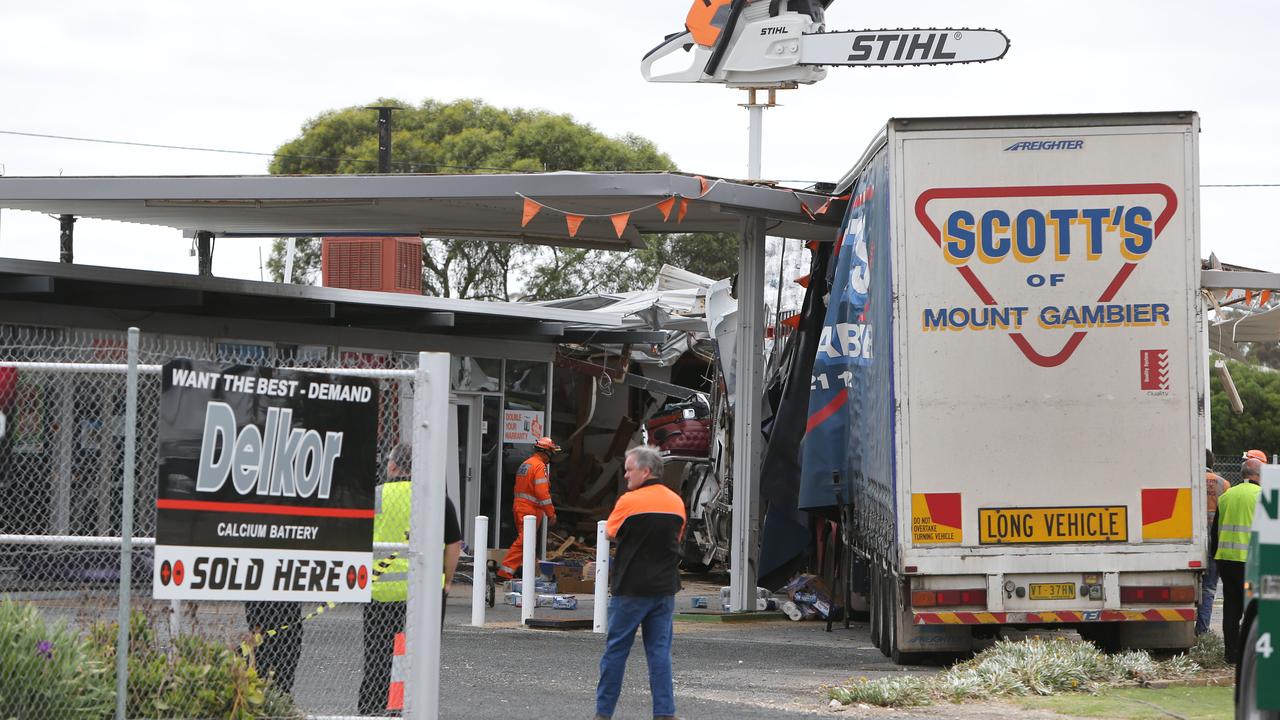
[[1003, 526], [1053, 591]]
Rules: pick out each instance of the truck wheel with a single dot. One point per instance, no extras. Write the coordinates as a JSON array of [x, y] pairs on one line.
[[873, 618], [1105, 635], [1247, 681]]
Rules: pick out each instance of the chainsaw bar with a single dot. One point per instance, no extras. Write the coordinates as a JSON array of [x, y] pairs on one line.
[[901, 47]]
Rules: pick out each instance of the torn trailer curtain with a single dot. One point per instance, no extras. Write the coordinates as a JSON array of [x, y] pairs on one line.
[[848, 444], [785, 535]]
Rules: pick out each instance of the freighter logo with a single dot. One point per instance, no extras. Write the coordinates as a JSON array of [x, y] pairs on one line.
[[992, 236]]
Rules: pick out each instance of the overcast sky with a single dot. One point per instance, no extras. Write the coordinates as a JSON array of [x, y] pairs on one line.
[[246, 75]]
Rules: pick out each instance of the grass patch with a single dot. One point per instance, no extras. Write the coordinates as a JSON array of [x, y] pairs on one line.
[[1193, 703], [1032, 667]]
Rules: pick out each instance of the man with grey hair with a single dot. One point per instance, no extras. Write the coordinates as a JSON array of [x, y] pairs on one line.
[[647, 523], [1229, 543]]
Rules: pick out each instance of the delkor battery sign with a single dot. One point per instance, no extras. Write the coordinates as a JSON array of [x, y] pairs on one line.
[[266, 484]]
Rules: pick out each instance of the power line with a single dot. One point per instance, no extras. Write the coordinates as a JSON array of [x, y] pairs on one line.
[[192, 148], [1240, 185], [410, 165]]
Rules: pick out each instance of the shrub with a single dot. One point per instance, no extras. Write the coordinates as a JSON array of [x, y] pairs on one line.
[[49, 670], [196, 678]]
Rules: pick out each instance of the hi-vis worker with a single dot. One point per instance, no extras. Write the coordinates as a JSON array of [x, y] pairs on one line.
[[532, 497], [1229, 541], [385, 616]]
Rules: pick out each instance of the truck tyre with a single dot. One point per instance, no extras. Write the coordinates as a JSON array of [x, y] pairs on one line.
[[874, 617], [1105, 635], [1247, 681]]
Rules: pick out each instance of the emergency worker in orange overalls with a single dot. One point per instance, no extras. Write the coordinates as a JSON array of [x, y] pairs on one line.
[[532, 497]]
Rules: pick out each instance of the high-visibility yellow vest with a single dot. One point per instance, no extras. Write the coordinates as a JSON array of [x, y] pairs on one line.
[[391, 524], [1235, 519]]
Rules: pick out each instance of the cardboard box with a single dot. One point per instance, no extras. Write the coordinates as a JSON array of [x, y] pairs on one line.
[[576, 586]]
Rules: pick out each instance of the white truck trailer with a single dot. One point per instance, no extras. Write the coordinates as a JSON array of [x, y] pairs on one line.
[[1008, 389]]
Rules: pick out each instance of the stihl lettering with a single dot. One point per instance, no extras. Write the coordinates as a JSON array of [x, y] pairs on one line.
[[773, 31], [907, 47], [221, 573], [288, 461]]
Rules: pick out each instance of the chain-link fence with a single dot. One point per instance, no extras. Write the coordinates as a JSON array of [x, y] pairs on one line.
[[62, 458]]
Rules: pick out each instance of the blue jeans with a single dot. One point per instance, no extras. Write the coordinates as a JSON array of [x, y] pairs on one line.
[[1208, 588], [653, 615]]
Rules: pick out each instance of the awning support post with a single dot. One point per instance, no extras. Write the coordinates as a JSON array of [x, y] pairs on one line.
[[744, 550]]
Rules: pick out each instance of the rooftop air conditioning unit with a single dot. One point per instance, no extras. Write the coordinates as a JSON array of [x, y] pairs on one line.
[[388, 264]]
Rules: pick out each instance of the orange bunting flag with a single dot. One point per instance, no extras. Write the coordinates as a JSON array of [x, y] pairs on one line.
[[705, 185], [1266, 298], [684, 207], [531, 208], [620, 222], [825, 207], [1248, 297], [573, 221], [812, 245], [807, 211], [792, 322], [665, 206], [803, 281]]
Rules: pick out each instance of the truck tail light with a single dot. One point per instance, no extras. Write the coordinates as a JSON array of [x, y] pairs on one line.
[[1137, 595], [948, 598]]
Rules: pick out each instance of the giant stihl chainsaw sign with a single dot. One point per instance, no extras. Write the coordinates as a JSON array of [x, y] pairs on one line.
[[266, 484], [774, 44]]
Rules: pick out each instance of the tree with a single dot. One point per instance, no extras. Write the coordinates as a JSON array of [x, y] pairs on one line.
[[1259, 390], [470, 136]]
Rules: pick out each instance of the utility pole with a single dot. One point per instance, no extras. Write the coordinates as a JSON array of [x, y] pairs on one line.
[[384, 135], [66, 238]]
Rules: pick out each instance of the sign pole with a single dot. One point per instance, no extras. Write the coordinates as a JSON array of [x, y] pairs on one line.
[[126, 525]]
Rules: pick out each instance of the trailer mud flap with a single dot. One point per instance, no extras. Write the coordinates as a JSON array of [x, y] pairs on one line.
[[1157, 635], [932, 638]]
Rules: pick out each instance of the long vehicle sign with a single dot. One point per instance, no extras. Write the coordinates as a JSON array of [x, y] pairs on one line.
[[1003, 526], [265, 488]]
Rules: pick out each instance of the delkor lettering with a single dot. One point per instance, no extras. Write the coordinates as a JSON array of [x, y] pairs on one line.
[[992, 236], [287, 461]]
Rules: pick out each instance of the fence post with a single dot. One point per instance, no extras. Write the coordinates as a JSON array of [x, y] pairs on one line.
[[426, 535], [479, 570], [126, 524]]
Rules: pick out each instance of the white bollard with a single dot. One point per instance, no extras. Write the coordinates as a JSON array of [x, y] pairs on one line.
[[479, 570], [542, 543], [529, 576], [600, 622]]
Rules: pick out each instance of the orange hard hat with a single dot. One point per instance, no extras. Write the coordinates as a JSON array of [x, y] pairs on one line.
[[1256, 455], [546, 443]]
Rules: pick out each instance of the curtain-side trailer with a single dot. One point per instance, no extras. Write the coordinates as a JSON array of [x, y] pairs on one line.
[[1008, 388]]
